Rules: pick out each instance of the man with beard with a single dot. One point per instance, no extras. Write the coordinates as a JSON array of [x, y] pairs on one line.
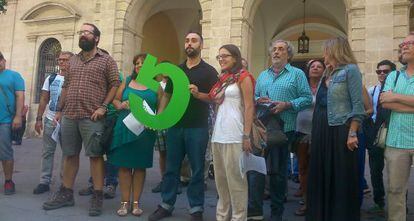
[[90, 85], [287, 89], [189, 136]]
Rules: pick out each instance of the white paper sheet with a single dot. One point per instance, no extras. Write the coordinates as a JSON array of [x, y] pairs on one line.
[[133, 124], [56, 133], [148, 108], [249, 162]]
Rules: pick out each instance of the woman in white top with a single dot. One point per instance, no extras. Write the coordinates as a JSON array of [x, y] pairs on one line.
[[234, 96]]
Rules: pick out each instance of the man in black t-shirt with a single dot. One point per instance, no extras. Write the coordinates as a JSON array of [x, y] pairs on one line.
[[189, 136]]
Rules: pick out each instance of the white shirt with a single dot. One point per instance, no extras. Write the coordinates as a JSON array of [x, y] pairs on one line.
[[374, 93], [54, 91], [229, 124]]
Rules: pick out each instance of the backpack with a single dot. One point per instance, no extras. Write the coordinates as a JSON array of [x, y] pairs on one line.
[[52, 77]]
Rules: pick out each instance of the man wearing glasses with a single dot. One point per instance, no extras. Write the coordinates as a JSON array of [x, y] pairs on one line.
[[51, 89], [287, 89], [90, 86], [398, 96], [376, 154]]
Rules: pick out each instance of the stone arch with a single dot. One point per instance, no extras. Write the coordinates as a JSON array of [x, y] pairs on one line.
[[321, 19], [130, 20], [411, 18], [50, 10]]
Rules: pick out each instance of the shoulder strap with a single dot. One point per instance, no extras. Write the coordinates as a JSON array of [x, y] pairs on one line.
[[52, 77], [396, 79], [373, 91], [128, 80]]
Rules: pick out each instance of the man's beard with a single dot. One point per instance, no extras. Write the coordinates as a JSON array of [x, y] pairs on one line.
[[191, 53], [87, 45]]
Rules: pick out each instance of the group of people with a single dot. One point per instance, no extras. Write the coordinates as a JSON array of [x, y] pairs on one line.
[[327, 115]]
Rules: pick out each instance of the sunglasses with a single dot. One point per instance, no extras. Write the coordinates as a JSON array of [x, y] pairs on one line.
[[382, 71]]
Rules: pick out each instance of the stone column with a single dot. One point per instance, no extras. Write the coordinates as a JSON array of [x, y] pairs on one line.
[[357, 31], [401, 12], [218, 29]]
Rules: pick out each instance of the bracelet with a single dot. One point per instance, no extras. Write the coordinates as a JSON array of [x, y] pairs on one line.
[[246, 137], [352, 134], [39, 119]]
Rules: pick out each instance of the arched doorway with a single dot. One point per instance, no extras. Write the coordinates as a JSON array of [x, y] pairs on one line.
[[48, 52], [158, 27], [324, 20]]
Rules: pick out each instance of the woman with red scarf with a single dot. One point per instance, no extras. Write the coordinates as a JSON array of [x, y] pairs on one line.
[[231, 134]]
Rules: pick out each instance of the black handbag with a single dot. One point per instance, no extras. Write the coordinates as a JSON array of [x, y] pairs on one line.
[[274, 126]]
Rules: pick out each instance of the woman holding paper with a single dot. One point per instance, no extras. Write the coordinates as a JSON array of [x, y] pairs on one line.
[[132, 153], [234, 95]]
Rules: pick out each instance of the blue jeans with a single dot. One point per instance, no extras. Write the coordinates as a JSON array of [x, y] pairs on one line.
[[193, 143], [278, 182], [295, 170], [6, 150]]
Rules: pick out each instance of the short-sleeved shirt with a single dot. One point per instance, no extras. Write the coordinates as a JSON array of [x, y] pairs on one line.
[[204, 76], [88, 83], [54, 89], [10, 82], [401, 129]]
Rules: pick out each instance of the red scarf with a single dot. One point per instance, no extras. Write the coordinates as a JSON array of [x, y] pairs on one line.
[[226, 79]]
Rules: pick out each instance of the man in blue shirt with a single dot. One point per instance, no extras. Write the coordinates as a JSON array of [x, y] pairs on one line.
[[399, 153], [11, 105], [287, 88]]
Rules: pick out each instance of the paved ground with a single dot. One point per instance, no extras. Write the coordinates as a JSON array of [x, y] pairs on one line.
[[24, 206]]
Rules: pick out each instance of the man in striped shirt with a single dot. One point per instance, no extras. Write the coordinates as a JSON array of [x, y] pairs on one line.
[[287, 88], [399, 153]]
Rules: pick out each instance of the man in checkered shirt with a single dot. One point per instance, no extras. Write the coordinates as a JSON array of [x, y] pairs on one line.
[[90, 86]]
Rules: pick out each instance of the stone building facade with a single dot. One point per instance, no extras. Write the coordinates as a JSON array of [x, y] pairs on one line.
[[33, 31]]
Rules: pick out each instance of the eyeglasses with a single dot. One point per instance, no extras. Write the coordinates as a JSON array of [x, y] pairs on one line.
[[406, 43], [223, 56], [278, 49], [382, 71], [84, 32], [62, 59]]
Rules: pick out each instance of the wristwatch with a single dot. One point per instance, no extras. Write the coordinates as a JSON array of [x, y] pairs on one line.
[[39, 119], [352, 134], [246, 137], [105, 106]]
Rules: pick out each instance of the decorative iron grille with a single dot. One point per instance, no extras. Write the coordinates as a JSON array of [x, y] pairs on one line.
[[49, 51]]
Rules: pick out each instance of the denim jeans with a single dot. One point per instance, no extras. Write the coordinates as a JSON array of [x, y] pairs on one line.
[[6, 150], [293, 170], [193, 143], [278, 157], [48, 152], [376, 165]]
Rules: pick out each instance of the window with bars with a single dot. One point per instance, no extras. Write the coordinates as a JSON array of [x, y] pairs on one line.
[[48, 53]]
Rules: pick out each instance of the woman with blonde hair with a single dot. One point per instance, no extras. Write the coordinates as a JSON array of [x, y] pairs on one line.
[[333, 187]]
